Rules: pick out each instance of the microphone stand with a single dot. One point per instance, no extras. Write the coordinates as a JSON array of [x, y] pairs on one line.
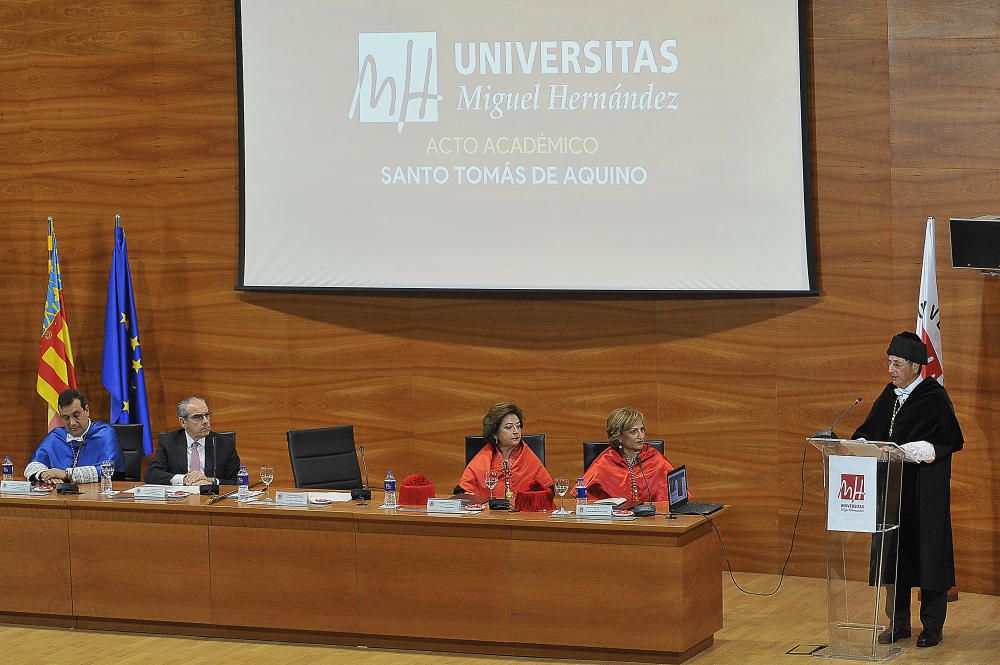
[[212, 488], [644, 509], [363, 495], [829, 433]]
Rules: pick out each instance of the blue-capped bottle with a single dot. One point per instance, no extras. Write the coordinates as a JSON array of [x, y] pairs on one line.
[[390, 491], [8, 468], [581, 492], [243, 485]]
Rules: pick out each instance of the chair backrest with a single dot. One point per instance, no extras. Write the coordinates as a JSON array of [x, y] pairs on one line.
[[130, 443], [591, 449], [324, 458], [209, 462], [473, 444]]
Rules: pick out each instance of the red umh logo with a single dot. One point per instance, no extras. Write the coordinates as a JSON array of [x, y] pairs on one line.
[[852, 487]]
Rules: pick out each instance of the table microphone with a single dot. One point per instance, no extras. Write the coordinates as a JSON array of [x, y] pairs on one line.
[[365, 493], [644, 509], [68, 486], [828, 433], [211, 488]]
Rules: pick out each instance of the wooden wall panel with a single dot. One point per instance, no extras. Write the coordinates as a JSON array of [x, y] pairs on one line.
[[130, 106], [933, 18], [941, 89]]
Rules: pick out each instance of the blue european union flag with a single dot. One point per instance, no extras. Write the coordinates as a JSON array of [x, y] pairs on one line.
[[121, 372]]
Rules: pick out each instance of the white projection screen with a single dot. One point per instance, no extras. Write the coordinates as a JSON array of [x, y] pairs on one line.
[[524, 146]]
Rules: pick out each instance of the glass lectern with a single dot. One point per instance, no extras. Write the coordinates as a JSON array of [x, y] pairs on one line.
[[860, 556]]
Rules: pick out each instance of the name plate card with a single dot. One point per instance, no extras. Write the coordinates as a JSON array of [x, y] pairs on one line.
[[291, 498], [452, 506], [150, 492], [594, 510], [15, 487]]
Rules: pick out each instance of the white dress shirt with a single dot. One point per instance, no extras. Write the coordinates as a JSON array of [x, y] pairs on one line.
[[178, 478]]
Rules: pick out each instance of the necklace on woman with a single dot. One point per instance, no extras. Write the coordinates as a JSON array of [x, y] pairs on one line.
[[630, 463]]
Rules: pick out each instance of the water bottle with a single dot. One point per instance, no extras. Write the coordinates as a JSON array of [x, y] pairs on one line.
[[8, 468], [243, 485], [581, 493], [390, 491]]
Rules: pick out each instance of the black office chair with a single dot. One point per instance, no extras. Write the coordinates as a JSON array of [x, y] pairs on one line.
[[324, 458], [130, 443], [473, 444], [591, 449], [209, 461]]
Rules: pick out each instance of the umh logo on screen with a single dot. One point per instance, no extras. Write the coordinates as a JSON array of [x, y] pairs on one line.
[[852, 487], [397, 78]]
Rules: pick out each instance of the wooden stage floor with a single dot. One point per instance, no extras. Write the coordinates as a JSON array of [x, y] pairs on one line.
[[757, 631]]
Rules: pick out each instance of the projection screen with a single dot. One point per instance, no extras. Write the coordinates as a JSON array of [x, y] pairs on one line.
[[523, 145]]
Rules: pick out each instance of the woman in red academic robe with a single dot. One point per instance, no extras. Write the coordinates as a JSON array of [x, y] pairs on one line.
[[506, 454], [628, 466]]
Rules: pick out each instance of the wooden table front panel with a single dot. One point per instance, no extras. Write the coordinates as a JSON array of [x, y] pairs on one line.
[[141, 562], [432, 579], [34, 556], [276, 571], [614, 596], [702, 590]]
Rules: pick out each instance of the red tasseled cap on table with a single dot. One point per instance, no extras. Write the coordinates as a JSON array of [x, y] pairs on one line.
[[536, 499], [415, 490]]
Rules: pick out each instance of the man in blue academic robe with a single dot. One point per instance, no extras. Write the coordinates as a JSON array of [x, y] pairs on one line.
[[74, 451]]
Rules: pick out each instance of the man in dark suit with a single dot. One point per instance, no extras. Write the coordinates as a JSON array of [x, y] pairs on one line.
[[183, 458]]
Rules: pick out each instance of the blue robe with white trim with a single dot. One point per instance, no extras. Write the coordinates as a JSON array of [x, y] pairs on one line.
[[99, 443]]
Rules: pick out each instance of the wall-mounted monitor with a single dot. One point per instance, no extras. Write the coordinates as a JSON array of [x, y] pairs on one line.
[[975, 243]]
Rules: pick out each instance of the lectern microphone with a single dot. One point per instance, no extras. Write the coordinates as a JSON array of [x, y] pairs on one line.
[[829, 433]]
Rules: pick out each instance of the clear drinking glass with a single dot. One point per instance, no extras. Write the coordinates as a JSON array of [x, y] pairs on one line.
[[562, 486], [491, 478], [107, 467], [267, 477]]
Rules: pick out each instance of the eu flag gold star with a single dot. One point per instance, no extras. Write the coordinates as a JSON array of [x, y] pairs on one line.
[[137, 365], [124, 320], [124, 406], [134, 342]]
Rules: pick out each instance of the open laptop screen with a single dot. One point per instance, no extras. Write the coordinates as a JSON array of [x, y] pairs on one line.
[[677, 485]]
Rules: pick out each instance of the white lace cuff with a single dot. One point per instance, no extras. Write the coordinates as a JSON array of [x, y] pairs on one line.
[[85, 474], [34, 468], [918, 451]]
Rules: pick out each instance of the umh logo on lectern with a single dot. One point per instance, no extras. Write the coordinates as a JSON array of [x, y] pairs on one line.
[[852, 487], [397, 78]]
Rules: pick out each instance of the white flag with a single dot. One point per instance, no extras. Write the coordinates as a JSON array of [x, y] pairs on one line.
[[928, 309]]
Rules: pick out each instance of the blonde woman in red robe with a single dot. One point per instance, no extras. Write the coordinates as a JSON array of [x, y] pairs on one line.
[[628, 465], [517, 467]]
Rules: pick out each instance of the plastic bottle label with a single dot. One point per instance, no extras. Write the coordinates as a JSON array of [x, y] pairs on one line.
[[581, 491], [390, 485]]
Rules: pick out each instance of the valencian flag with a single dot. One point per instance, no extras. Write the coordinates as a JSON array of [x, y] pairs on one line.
[[55, 357], [121, 371], [928, 310]]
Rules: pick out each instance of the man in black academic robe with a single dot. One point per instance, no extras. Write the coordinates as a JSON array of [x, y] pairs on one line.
[[916, 413]]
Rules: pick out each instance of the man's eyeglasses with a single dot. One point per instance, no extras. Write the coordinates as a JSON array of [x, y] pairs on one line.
[[896, 364], [199, 417]]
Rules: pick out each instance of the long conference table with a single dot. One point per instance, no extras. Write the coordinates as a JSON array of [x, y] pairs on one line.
[[522, 584]]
